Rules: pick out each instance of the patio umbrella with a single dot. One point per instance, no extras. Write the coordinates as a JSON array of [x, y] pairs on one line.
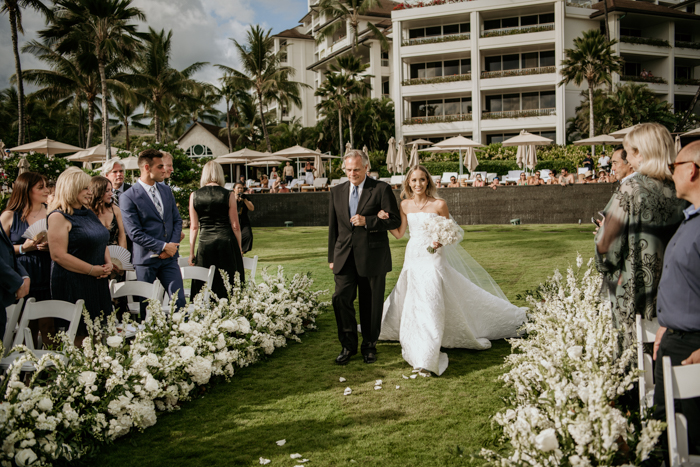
[[528, 156], [623, 132], [694, 132], [47, 146], [365, 150], [678, 144], [401, 162], [23, 165], [348, 147], [458, 143], [130, 163], [318, 164], [470, 160], [391, 155], [421, 142], [96, 153], [520, 156], [414, 156], [244, 156], [531, 157], [600, 139]]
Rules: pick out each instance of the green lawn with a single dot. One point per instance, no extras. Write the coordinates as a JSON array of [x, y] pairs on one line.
[[295, 394]]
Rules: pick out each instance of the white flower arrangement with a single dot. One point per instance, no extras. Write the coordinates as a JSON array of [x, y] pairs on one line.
[[105, 390], [565, 382], [443, 231]]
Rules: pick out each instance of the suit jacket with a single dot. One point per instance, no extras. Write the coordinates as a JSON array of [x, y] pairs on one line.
[[369, 246], [145, 227], [11, 272]]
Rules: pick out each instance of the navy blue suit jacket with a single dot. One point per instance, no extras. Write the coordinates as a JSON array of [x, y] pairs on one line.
[[11, 272], [145, 227]]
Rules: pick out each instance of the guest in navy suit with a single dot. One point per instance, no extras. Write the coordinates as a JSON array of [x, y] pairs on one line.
[[14, 281], [153, 223]]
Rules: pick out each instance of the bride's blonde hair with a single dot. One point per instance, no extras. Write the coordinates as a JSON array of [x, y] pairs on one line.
[[430, 191]]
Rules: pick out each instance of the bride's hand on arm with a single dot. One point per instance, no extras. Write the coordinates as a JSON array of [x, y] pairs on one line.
[[397, 233]]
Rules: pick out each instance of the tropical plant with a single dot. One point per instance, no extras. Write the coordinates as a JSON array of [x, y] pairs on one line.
[[352, 67], [591, 60], [342, 11], [13, 8], [233, 93], [334, 99], [263, 73], [101, 26], [124, 108]]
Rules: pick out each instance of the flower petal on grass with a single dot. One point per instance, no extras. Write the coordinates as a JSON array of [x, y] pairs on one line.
[[264, 461], [377, 388], [347, 392], [414, 376], [404, 376], [416, 370], [281, 442], [398, 387], [378, 382], [342, 380], [295, 456]]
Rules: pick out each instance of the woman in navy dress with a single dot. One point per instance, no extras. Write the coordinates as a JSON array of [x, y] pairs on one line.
[[26, 206], [81, 262]]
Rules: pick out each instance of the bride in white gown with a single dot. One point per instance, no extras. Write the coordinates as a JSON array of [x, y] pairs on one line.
[[443, 299]]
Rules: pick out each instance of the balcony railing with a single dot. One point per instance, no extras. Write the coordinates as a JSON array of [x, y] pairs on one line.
[[688, 81], [580, 3], [437, 119], [643, 79], [518, 114], [645, 41], [518, 72], [688, 45], [517, 30], [437, 79], [433, 40]]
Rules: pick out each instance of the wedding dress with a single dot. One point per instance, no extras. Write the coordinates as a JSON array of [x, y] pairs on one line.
[[444, 299]]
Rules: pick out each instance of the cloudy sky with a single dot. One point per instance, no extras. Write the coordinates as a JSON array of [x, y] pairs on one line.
[[201, 30]]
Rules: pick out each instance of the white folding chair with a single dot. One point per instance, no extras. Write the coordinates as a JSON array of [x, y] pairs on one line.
[[131, 289], [130, 276], [680, 382], [34, 310], [396, 180], [13, 312], [251, 264], [343, 179], [582, 170], [483, 175], [646, 333], [200, 274], [335, 182], [490, 176], [544, 174], [182, 262]]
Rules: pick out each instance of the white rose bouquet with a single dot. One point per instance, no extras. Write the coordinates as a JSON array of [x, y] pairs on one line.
[[443, 231]]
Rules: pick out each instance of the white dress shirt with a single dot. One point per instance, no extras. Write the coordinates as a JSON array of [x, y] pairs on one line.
[[628, 177], [148, 187]]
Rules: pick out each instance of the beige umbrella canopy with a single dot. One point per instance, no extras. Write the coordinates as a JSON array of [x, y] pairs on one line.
[[421, 142], [414, 156], [601, 139], [94, 154], [295, 151], [623, 132], [458, 143], [46, 146], [694, 132], [130, 163], [470, 160], [391, 155], [526, 139], [348, 147], [243, 156], [23, 165], [401, 162]]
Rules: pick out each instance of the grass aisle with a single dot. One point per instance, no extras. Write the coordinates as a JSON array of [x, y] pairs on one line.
[[295, 394]]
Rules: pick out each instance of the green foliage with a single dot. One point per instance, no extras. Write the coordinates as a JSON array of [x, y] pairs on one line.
[[39, 163], [645, 41]]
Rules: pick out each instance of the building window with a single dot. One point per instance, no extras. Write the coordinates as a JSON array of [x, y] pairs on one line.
[[442, 107], [683, 36], [518, 61], [283, 49], [684, 72], [436, 69], [385, 87], [630, 32], [524, 101], [514, 22], [385, 58], [436, 31], [633, 69], [198, 150]]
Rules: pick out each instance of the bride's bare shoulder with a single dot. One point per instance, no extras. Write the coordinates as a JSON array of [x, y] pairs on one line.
[[406, 205]]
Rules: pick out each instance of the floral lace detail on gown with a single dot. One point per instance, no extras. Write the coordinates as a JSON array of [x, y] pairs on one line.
[[433, 306]]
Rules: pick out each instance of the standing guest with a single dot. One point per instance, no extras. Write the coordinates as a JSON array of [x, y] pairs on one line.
[[478, 182], [309, 174], [453, 183], [51, 185], [168, 164], [622, 169], [288, 172], [241, 180], [27, 205], [244, 205], [213, 211], [640, 219], [81, 261], [679, 293], [522, 181], [114, 171], [14, 281], [274, 175], [604, 162], [588, 162], [153, 223], [109, 215]]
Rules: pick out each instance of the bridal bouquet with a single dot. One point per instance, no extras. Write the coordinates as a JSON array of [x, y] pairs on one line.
[[443, 231]]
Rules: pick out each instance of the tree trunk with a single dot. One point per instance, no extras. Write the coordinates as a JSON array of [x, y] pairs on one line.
[[340, 131], [591, 126], [18, 73], [126, 128], [156, 119], [262, 121], [679, 126], [228, 126], [607, 24], [105, 114], [81, 141], [352, 138], [91, 117]]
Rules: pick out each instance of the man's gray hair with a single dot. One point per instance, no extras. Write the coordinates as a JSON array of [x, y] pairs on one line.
[[356, 153], [109, 165]]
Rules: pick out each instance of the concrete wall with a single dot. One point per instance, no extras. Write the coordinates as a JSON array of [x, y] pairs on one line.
[[532, 204]]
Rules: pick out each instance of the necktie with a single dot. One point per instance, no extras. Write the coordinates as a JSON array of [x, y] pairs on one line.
[[156, 202], [115, 197], [354, 200]]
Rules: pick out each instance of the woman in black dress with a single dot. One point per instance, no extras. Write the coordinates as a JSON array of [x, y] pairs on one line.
[[214, 216], [244, 205], [81, 262], [26, 206]]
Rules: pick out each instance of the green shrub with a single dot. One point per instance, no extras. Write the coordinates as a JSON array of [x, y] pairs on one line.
[[557, 165]]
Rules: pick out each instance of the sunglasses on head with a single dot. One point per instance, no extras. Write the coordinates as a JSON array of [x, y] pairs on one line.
[[672, 166]]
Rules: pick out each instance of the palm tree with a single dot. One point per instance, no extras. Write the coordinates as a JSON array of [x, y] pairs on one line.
[[162, 84], [332, 91], [263, 74], [592, 60], [124, 109], [14, 10], [352, 67], [102, 26], [233, 94], [349, 10]]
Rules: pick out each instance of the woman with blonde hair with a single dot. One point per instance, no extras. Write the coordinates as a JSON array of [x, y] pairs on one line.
[[78, 248], [441, 299], [640, 219], [214, 218]]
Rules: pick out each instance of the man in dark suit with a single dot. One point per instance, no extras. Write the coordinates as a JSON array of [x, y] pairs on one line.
[[153, 223], [14, 281], [114, 171], [359, 254]]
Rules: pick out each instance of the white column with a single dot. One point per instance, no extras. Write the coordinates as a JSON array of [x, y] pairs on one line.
[[397, 95], [560, 91], [475, 28], [375, 66]]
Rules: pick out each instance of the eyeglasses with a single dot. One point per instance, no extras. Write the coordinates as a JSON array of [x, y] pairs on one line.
[[672, 166]]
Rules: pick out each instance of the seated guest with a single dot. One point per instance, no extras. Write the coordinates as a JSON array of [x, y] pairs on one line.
[[677, 304], [453, 183], [495, 183], [283, 188], [153, 223], [535, 179], [587, 178], [214, 213], [275, 188], [81, 261], [553, 178], [14, 281], [565, 178], [602, 177], [264, 181], [478, 181], [522, 181]]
